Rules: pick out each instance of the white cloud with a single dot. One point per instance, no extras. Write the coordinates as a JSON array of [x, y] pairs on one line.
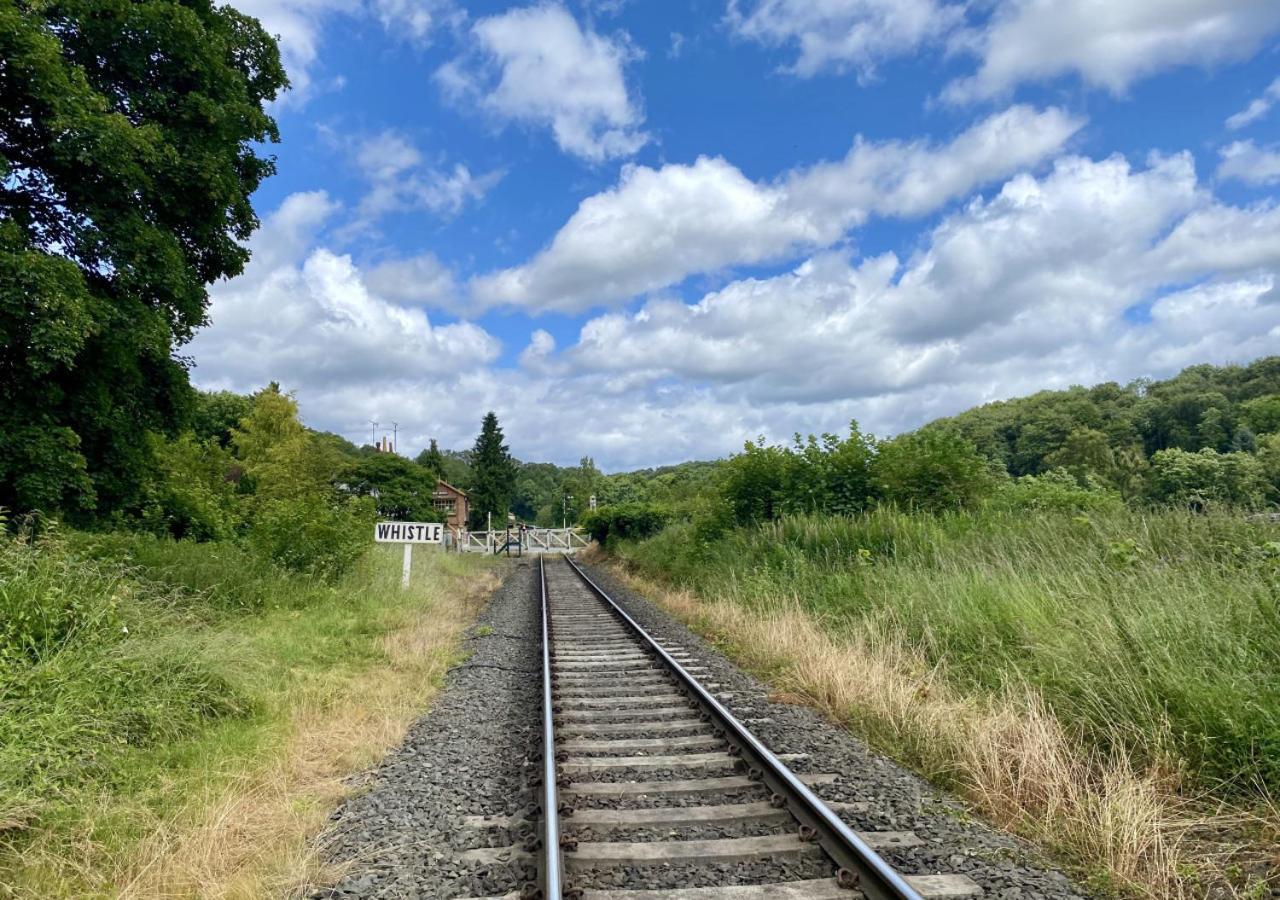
[[420, 280], [1108, 44], [298, 25], [838, 35], [1035, 287], [306, 316], [536, 66], [1246, 161], [1257, 108], [401, 180], [658, 226], [1097, 270]]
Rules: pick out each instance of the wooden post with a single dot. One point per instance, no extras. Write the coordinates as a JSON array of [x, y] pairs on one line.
[[408, 565]]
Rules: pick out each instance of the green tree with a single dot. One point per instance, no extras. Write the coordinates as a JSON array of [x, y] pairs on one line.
[[932, 469], [1085, 452], [1193, 479], [493, 476], [432, 460], [1262, 414], [217, 413], [281, 458], [190, 495], [129, 149], [400, 489], [755, 482]]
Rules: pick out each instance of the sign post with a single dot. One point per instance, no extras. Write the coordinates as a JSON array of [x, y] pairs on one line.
[[408, 533]]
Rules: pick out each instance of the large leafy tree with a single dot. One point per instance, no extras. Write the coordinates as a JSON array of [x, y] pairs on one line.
[[401, 489], [493, 475], [129, 135]]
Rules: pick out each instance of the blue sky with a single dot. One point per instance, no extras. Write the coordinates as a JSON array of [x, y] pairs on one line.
[[647, 232]]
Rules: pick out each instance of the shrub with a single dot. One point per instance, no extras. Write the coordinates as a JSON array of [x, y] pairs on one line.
[[1194, 479], [1056, 489], [626, 520], [190, 495], [933, 469], [312, 535]]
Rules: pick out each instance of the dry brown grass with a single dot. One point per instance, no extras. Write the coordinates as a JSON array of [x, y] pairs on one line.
[[1008, 755], [254, 837]]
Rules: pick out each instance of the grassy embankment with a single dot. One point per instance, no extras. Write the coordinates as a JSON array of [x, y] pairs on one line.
[[176, 719], [1109, 685]]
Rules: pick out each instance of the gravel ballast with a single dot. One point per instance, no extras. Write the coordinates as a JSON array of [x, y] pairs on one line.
[[475, 752]]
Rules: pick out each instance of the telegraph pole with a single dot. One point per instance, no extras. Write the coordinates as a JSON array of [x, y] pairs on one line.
[[373, 432]]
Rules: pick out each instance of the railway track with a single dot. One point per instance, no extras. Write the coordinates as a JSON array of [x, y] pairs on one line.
[[651, 788]]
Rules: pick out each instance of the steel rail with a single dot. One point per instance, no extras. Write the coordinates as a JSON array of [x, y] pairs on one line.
[[552, 867], [861, 867]]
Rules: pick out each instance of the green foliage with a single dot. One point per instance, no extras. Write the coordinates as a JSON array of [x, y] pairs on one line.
[[281, 458], [1262, 414], [127, 159], [1058, 490], [1202, 407], [824, 474], [217, 414], [191, 494], [311, 534], [1155, 632], [1195, 479], [432, 460], [624, 521], [932, 469], [493, 476], [400, 489]]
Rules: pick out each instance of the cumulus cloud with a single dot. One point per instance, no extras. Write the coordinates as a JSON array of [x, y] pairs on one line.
[[305, 315], [1246, 161], [1095, 270], [1033, 287], [537, 66], [838, 35], [421, 280], [1257, 108], [1109, 45], [658, 226]]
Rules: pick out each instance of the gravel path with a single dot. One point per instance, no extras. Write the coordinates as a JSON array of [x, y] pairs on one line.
[[472, 755]]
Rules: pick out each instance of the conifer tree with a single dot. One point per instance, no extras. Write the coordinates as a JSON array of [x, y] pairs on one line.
[[432, 460], [494, 476]]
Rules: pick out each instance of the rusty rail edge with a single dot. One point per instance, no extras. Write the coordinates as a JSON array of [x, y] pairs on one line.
[[861, 867]]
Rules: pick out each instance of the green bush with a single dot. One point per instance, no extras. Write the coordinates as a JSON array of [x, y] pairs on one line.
[[933, 469], [190, 495], [626, 520], [1184, 478], [311, 534], [1056, 489]]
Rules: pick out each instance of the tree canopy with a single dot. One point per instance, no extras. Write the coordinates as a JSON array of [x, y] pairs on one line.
[[129, 136]]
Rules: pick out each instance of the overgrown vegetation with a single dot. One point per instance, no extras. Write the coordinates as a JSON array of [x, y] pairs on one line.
[[1096, 566], [140, 677]]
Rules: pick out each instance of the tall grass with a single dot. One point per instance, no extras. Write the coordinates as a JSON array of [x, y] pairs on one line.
[[1154, 633], [141, 678], [1107, 684]]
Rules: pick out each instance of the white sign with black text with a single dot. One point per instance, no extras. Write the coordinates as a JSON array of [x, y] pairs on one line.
[[408, 532]]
